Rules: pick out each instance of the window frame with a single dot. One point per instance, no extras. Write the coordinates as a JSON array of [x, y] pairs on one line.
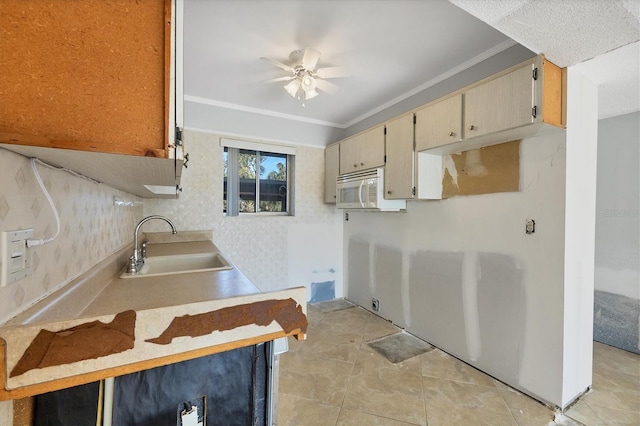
[[233, 148]]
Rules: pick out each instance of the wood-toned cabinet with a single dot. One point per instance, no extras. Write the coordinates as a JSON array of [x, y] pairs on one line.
[[362, 151], [399, 169], [439, 123], [94, 77], [331, 171], [500, 104], [513, 104]]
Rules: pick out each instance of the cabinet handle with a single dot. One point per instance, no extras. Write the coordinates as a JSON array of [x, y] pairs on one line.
[[472, 127], [362, 164], [355, 165], [452, 134], [388, 192]]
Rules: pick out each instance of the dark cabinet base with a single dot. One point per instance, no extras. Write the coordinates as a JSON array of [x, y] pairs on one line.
[[234, 385]]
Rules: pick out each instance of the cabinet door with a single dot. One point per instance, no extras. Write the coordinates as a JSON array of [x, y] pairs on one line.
[[331, 168], [439, 124], [105, 88], [500, 104], [349, 157], [398, 174], [371, 151]]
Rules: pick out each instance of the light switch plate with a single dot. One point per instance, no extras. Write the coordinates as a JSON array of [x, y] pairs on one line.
[[15, 256]]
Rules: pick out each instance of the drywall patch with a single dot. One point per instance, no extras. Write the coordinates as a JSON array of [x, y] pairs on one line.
[[286, 312], [482, 171], [359, 272], [325, 290], [616, 321], [502, 311], [435, 296], [86, 341], [388, 276]]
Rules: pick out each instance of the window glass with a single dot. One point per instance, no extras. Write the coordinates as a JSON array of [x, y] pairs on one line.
[[262, 180], [225, 161], [247, 162], [273, 182]]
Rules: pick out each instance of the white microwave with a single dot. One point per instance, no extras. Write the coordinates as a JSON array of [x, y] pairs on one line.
[[365, 190]]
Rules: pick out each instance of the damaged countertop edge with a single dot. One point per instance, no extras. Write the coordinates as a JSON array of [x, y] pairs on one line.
[[88, 303], [150, 324]]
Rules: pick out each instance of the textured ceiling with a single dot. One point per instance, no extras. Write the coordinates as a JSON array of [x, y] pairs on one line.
[[617, 74], [394, 49], [600, 35], [566, 31]]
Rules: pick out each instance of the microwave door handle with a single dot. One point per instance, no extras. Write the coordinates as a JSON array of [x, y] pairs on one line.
[[360, 193]]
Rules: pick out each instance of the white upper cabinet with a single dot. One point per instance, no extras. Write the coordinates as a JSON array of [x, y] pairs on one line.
[[399, 172], [439, 123], [500, 104], [331, 170], [362, 151]]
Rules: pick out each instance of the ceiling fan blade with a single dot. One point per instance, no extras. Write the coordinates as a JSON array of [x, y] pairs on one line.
[[287, 78], [332, 72], [325, 86], [279, 64], [310, 58]]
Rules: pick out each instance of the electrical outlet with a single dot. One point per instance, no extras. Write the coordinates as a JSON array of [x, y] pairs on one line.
[[530, 226], [375, 305], [15, 256]]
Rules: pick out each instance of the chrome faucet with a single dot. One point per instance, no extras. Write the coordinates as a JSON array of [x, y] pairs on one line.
[[136, 260]]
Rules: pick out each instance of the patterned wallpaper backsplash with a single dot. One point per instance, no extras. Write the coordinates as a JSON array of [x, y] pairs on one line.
[[91, 227], [260, 246]]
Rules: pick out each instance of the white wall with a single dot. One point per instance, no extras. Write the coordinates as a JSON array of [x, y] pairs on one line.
[[579, 230], [248, 124], [274, 252], [462, 274], [617, 256]]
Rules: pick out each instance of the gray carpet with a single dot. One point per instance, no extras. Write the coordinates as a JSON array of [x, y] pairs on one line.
[[333, 305], [400, 347]]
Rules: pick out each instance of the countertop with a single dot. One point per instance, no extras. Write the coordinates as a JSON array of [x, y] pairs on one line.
[[100, 325]]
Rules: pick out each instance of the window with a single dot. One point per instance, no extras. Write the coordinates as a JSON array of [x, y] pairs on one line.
[[257, 181]]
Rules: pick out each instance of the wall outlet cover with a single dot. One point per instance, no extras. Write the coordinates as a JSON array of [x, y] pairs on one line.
[[15, 256], [530, 226]]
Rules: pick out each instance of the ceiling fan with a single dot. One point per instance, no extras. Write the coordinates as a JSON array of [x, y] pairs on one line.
[[305, 78]]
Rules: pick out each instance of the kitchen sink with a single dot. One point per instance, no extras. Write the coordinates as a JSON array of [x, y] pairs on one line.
[[180, 264]]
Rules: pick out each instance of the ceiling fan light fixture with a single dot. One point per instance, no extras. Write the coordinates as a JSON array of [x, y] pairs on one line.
[[292, 87], [310, 94], [304, 77], [308, 83]]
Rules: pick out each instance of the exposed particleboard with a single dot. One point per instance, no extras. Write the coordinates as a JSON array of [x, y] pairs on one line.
[[87, 75], [552, 95], [482, 171]]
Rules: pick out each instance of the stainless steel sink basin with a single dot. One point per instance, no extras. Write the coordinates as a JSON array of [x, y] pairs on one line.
[[181, 264]]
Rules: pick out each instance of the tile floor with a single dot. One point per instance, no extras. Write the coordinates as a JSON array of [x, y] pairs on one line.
[[334, 378]]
